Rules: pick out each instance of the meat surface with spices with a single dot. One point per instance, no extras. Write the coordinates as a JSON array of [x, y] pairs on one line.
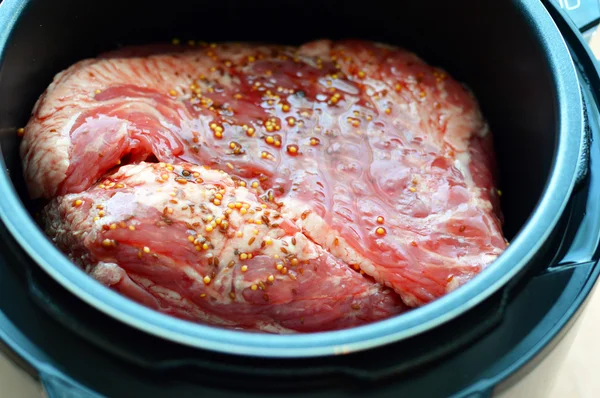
[[265, 187]]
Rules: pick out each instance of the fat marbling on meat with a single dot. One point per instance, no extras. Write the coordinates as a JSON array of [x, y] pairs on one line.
[[378, 165]]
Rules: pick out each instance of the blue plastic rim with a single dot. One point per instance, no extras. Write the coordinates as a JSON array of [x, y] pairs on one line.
[[525, 245]]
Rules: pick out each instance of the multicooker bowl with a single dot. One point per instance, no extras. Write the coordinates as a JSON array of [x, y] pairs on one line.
[[510, 53]]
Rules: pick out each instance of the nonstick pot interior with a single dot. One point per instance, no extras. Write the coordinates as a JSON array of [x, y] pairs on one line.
[[509, 53]]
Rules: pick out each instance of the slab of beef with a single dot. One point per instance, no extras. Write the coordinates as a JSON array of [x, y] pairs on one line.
[[379, 167], [160, 234]]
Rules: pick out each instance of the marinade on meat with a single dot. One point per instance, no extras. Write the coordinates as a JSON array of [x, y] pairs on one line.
[[265, 187]]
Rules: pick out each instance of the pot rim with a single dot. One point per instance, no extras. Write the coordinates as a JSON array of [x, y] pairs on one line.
[[536, 230]]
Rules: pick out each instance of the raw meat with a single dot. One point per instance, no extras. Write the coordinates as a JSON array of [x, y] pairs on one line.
[[381, 165], [154, 233]]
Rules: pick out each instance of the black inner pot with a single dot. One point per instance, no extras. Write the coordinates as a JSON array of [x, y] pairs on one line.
[[486, 45], [495, 48]]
